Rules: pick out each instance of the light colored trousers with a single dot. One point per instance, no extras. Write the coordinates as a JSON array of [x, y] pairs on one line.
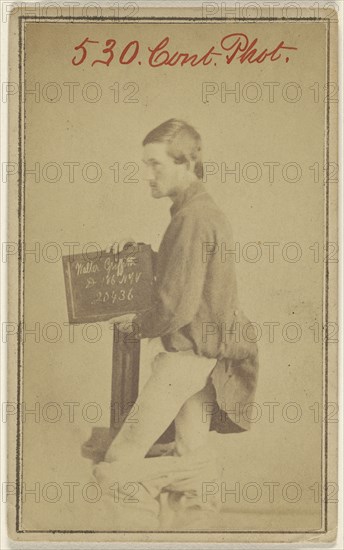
[[176, 390]]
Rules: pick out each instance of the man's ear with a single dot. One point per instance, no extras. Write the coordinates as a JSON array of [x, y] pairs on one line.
[[183, 167]]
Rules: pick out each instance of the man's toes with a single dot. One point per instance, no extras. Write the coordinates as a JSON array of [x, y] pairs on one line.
[[102, 471]]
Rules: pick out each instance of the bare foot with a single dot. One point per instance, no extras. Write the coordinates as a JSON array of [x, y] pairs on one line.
[[104, 473]]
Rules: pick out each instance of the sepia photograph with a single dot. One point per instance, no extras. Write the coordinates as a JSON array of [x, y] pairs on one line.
[[172, 258]]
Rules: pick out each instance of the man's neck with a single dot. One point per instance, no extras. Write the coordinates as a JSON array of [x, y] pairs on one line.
[[178, 195], [182, 198]]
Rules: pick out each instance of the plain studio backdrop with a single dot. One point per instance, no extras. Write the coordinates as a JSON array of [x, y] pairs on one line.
[[249, 128]]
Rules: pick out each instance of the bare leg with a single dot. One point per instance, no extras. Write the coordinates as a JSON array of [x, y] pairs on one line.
[[192, 426], [186, 503], [176, 377], [176, 387]]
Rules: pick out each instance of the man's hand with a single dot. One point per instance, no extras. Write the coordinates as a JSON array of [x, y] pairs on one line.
[[125, 323], [118, 247]]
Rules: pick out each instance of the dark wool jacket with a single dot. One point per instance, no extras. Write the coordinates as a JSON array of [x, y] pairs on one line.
[[196, 304]]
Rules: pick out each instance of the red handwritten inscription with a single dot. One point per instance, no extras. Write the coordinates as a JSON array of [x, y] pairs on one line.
[[232, 47], [244, 50]]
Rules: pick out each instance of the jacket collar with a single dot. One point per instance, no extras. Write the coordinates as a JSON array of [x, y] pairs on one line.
[[194, 190]]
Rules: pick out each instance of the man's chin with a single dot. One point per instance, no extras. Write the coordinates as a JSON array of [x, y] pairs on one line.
[[156, 194]]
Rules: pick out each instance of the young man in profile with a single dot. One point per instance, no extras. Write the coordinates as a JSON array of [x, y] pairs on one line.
[[207, 373]]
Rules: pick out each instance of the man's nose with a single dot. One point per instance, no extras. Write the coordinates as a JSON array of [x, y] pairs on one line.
[[149, 174]]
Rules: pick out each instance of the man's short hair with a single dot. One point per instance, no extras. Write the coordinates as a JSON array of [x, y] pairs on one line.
[[183, 142]]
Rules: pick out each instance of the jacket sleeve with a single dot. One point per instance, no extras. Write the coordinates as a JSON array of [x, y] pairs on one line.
[[180, 287]]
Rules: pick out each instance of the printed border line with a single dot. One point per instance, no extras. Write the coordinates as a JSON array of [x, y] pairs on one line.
[[171, 19], [21, 270], [21, 205], [208, 532], [327, 275]]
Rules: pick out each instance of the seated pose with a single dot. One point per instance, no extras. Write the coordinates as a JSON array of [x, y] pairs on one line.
[[208, 371]]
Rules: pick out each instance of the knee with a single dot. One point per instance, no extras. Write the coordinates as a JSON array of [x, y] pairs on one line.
[[169, 371], [165, 370], [160, 361]]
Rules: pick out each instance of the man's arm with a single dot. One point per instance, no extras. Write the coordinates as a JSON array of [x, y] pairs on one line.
[[180, 288]]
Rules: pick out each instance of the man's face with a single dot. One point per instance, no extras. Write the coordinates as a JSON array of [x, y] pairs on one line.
[[165, 177]]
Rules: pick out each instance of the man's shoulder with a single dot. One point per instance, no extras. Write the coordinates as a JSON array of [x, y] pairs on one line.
[[202, 209]]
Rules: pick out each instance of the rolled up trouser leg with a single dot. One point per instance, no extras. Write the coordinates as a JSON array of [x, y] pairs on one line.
[[145, 479], [127, 504], [196, 500]]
